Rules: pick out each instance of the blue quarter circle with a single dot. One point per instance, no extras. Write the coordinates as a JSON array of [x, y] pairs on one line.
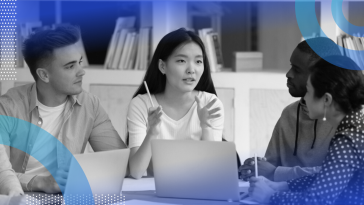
[[346, 26], [21, 143], [307, 23]]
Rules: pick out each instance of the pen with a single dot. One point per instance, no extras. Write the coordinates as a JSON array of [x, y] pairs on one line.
[[150, 97], [256, 165]]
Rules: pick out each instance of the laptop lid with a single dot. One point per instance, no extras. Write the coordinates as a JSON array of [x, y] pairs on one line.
[[195, 169], [105, 172]]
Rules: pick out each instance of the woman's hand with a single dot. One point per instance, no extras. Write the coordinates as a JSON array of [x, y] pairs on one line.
[[154, 120], [205, 114], [265, 168], [261, 189]]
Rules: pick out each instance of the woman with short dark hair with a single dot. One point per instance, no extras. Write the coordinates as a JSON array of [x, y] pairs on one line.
[[335, 93]]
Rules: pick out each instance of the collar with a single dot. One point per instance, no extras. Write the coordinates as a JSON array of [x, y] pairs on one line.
[[34, 98], [352, 120]]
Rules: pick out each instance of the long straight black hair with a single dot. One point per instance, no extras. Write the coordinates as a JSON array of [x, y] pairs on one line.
[[157, 81]]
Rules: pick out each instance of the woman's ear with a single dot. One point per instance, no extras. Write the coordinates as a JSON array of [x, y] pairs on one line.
[[162, 66], [328, 99], [43, 74]]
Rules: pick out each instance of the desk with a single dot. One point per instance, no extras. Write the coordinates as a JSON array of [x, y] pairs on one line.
[[142, 192]]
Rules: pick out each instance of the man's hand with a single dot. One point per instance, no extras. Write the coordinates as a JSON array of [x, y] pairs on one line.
[[15, 193], [48, 184], [265, 169]]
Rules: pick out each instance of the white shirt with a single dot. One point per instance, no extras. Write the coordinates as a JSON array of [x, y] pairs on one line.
[[52, 118], [188, 127]]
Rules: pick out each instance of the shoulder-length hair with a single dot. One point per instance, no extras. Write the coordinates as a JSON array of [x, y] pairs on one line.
[[157, 81]]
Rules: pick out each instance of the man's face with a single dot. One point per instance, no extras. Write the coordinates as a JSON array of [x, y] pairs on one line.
[[298, 74], [65, 70]]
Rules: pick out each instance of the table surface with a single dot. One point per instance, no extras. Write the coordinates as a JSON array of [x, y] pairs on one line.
[[142, 192]]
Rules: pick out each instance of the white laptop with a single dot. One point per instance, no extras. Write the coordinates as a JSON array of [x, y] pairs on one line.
[[195, 169], [105, 172]]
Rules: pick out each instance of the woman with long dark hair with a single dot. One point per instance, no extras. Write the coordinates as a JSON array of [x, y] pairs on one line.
[[335, 93], [179, 80]]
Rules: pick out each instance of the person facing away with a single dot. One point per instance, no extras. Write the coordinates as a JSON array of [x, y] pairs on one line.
[[179, 80], [298, 144], [335, 94], [57, 104]]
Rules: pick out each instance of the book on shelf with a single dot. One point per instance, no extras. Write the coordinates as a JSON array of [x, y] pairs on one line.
[[126, 51], [143, 56], [149, 50], [134, 48], [218, 51], [213, 48], [143, 53], [359, 46], [120, 47], [340, 43], [129, 49], [345, 44], [352, 44], [138, 52], [114, 50], [353, 53]]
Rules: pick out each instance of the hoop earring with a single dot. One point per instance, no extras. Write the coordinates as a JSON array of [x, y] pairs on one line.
[[324, 119]]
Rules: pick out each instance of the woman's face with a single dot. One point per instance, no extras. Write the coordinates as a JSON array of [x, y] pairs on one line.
[[315, 105], [184, 67]]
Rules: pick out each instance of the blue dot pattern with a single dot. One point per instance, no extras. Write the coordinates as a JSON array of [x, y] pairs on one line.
[[341, 179]]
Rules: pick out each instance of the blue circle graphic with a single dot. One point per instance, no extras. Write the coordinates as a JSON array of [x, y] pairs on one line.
[[28, 135], [307, 23], [346, 26]]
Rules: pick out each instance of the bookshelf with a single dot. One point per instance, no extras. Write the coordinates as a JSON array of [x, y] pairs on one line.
[[248, 32], [251, 117]]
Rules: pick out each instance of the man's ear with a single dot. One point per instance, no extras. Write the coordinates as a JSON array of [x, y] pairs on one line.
[[43, 74], [162, 66]]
